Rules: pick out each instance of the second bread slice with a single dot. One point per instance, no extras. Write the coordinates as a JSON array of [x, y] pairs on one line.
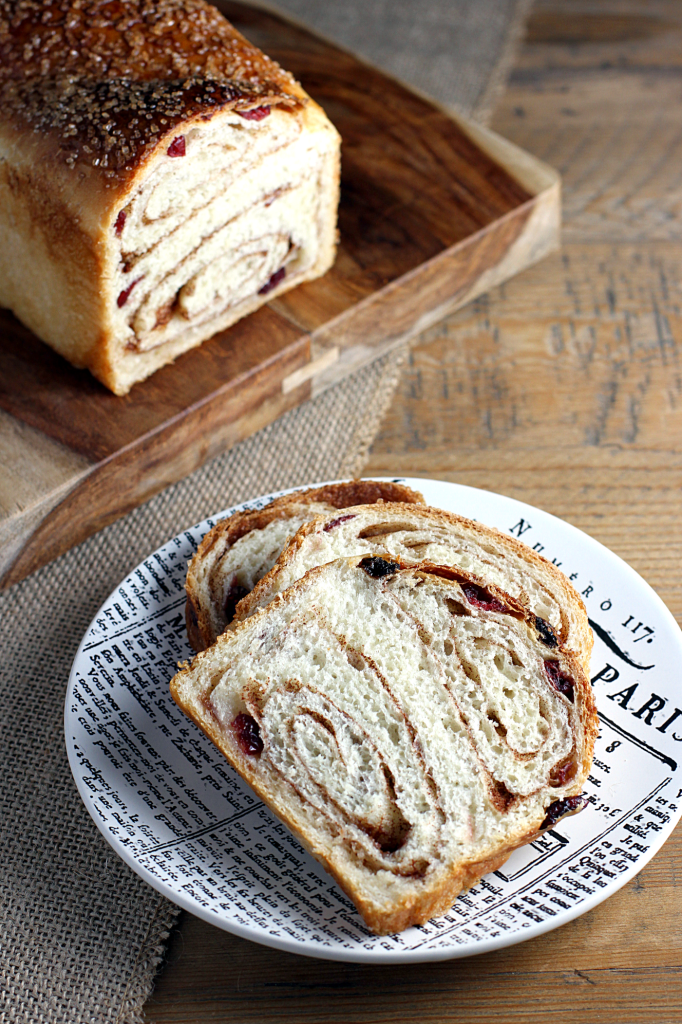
[[240, 550]]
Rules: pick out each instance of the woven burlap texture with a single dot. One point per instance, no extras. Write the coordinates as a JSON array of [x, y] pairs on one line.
[[81, 935]]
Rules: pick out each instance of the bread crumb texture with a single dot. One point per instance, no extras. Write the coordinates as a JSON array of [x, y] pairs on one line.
[[409, 732]]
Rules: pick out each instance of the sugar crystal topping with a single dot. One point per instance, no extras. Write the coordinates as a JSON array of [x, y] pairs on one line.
[[109, 79]]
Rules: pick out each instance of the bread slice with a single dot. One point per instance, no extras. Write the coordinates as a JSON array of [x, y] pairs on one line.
[[411, 725], [238, 551], [414, 533]]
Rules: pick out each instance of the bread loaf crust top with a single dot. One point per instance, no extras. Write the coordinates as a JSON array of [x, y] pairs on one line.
[[107, 81]]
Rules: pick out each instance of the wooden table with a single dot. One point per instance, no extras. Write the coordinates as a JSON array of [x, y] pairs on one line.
[[562, 388]]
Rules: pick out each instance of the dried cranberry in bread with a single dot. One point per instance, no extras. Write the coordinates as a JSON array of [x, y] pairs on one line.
[[404, 721], [414, 533], [238, 551], [160, 178]]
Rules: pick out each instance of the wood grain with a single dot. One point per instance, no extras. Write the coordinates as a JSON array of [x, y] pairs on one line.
[[115, 486], [560, 388], [433, 211], [40, 388], [620, 963]]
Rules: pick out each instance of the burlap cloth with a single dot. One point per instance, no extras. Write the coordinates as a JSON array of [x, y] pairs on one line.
[[81, 936]]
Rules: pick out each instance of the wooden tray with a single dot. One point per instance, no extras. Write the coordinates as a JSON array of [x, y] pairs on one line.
[[434, 211]]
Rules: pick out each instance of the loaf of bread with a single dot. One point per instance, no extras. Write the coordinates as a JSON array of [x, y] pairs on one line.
[[160, 178], [411, 724], [240, 550], [415, 533]]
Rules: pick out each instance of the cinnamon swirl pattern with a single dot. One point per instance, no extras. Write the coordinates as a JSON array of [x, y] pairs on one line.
[[241, 211], [404, 721], [239, 551], [419, 533]]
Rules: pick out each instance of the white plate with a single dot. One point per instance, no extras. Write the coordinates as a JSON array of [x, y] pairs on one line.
[[173, 809]]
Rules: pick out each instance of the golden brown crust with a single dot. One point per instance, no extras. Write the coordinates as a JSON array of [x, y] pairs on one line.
[[227, 532], [433, 903], [362, 492], [107, 81], [341, 495]]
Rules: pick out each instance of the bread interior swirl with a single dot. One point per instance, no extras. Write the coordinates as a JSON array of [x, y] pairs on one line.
[[232, 570], [206, 230], [416, 534], [407, 735], [240, 550]]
